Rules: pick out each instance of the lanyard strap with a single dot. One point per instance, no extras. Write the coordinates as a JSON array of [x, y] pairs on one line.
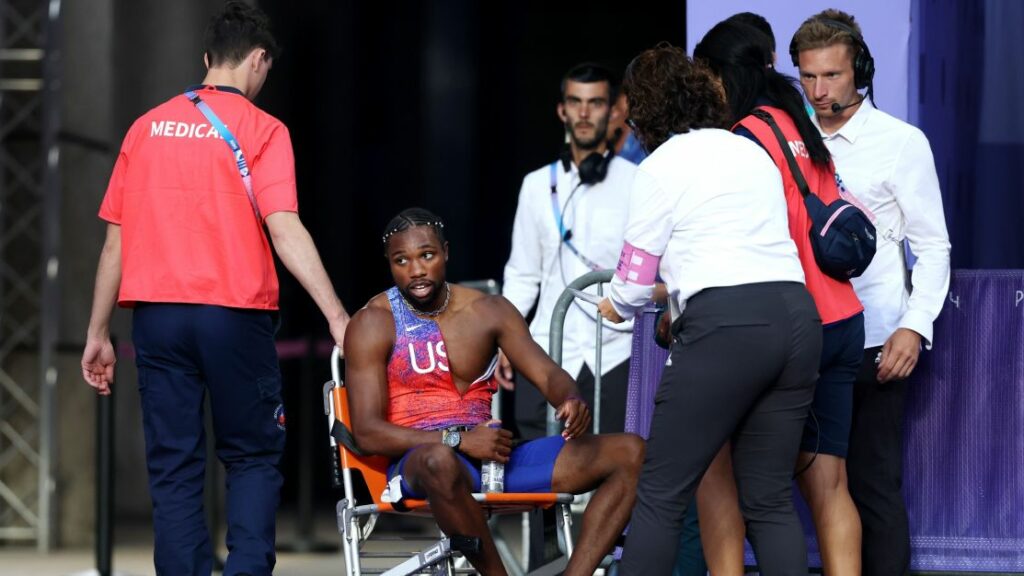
[[232, 142], [563, 234]]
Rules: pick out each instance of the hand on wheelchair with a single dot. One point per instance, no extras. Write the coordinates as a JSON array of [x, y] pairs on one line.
[[487, 443]]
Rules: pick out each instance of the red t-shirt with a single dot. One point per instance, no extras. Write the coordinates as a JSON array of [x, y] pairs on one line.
[[835, 300], [188, 231]]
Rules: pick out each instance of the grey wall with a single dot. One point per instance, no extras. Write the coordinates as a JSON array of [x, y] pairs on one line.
[[120, 58], [87, 154]]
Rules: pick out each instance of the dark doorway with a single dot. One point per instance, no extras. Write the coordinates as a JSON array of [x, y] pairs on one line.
[[441, 104]]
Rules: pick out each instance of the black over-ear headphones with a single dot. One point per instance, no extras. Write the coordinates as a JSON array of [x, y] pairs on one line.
[[593, 168], [863, 62]]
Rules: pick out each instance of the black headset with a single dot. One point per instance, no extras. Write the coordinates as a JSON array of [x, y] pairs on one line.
[[863, 62], [593, 168]]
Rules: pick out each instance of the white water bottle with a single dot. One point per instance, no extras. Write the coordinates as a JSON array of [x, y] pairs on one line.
[[492, 474]]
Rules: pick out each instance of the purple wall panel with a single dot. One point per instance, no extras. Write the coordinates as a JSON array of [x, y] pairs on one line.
[[886, 27], [964, 441]]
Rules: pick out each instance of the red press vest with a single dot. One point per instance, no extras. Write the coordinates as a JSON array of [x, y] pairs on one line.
[[835, 300]]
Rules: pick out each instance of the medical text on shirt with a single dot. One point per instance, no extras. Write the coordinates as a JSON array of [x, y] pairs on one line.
[[171, 129]]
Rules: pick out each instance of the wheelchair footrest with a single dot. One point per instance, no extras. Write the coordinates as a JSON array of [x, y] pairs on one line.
[[394, 555], [431, 556]]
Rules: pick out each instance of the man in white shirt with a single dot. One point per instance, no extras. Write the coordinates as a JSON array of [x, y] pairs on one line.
[[570, 220], [887, 165]]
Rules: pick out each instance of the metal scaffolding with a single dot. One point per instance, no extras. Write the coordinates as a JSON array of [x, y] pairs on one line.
[[29, 241]]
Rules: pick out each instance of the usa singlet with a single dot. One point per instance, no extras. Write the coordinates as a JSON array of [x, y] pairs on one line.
[[420, 385]]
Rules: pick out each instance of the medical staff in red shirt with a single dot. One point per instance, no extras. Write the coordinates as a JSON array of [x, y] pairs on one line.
[[196, 181]]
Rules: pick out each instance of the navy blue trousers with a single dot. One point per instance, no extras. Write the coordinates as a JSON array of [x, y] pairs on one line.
[[182, 351]]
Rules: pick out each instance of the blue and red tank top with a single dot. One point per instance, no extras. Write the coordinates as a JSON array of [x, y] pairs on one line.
[[421, 390]]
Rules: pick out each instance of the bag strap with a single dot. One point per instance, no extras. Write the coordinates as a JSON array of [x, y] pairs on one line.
[[793, 167], [232, 142]]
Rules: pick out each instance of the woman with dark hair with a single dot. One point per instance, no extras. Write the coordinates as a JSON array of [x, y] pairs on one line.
[[739, 55], [708, 214]]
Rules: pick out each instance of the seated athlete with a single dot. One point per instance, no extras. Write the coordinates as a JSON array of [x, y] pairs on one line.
[[420, 362]]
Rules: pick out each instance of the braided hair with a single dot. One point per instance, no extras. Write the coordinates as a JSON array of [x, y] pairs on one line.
[[410, 217]]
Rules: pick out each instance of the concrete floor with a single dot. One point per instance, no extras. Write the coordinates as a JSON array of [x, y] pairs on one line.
[[138, 561], [133, 550]]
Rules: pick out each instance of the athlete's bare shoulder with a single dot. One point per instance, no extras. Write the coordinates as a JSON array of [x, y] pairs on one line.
[[477, 302], [373, 324], [489, 309], [380, 301], [472, 309], [463, 296]]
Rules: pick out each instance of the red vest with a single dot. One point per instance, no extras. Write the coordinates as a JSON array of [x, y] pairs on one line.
[[835, 300]]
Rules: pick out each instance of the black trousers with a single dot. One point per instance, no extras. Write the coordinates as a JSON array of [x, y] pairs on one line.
[[531, 407], [743, 366], [875, 470]]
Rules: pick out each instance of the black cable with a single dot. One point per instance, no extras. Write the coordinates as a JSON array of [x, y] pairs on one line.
[[561, 242]]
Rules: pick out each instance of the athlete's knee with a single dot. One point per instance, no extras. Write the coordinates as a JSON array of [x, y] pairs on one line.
[[625, 452], [441, 469], [634, 450]]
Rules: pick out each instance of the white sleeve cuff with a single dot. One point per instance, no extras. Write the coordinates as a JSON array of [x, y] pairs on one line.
[[919, 322], [628, 298], [625, 312]]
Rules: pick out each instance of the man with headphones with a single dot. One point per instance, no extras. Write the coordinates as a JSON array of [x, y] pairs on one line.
[[888, 166], [570, 220]]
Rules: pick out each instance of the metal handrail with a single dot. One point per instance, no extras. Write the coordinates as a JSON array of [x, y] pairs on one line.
[[565, 300]]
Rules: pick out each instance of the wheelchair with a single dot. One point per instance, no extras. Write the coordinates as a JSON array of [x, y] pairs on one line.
[[356, 519]]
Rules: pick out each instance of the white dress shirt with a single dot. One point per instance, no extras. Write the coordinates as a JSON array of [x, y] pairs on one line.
[[888, 166], [541, 264], [711, 205]]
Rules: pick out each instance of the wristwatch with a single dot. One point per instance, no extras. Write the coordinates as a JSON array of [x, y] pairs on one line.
[[451, 438]]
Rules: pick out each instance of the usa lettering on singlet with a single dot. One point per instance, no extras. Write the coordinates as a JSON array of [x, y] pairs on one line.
[[421, 389]]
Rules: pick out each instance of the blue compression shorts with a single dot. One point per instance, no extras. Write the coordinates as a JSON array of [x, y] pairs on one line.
[[529, 469]]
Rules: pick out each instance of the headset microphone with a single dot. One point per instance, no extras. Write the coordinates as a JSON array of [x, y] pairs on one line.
[[836, 108]]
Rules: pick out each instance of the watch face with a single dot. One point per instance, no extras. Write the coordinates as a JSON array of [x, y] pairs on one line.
[[452, 439]]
